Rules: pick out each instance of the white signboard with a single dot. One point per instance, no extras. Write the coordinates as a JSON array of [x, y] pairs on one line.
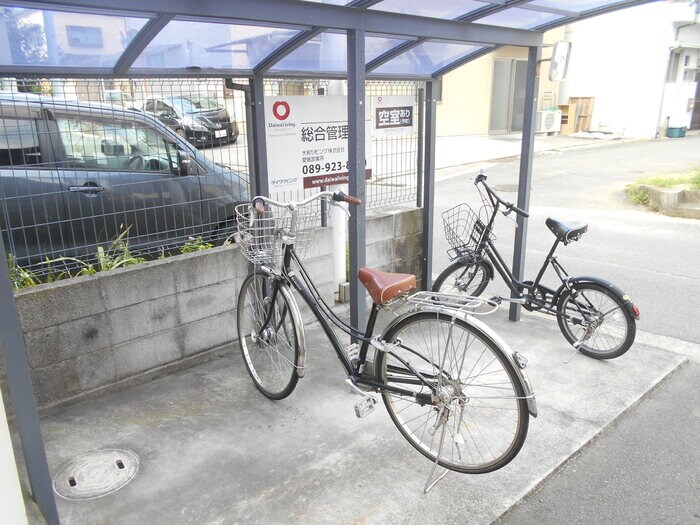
[[393, 115], [307, 142]]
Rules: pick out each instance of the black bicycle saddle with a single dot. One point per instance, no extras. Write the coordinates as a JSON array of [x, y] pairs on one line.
[[566, 232]]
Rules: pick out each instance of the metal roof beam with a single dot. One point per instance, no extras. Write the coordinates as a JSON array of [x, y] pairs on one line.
[[308, 14], [299, 40], [464, 60], [139, 43]]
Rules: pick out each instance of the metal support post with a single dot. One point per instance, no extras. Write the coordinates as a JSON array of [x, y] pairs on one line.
[[356, 153], [19, 382], [525, 180], [419, 153], [429, 186], [259, 182]]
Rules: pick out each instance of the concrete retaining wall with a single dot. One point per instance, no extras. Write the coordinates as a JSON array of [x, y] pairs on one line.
[[394, 241], [93, 333], [675, 202]]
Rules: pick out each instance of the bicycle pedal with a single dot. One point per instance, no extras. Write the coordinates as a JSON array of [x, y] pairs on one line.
[[365, 407], [496, 299]]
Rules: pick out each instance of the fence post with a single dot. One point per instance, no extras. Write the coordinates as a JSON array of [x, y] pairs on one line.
[[356, 185], [429, 186], [419, 154], [525, 180], [19, 382], [259, 179]]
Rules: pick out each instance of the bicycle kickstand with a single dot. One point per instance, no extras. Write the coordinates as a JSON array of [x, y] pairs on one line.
[[432, 479]]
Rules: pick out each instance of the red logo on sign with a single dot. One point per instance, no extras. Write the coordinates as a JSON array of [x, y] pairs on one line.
[[280, 110]]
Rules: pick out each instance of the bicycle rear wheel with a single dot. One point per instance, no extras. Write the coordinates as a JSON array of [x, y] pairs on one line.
[[484, 413], [268, 337], [595, 318]]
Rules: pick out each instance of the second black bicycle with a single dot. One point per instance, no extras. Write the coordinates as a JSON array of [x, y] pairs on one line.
[[594, 315]]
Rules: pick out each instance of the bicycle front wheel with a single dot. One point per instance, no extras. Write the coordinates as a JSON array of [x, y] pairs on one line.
[[462, 278], [481, 419], [268, 337]]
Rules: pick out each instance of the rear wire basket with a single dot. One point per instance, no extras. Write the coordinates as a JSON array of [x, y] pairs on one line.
[[464, 230], [262, 237]]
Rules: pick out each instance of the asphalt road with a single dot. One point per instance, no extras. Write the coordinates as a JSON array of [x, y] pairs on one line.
[[645, 469]]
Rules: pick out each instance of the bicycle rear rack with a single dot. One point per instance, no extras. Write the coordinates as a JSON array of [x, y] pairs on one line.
[[454, 303]]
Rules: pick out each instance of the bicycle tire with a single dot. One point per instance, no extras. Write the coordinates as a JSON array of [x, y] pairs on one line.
[[271, 357], [489, 395], [615, 333], [452, 279]]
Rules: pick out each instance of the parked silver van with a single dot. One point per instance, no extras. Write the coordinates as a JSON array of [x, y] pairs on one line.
[[75, 175]]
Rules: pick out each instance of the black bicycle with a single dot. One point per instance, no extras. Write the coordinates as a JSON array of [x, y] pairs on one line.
[[595, 316], [451, 386]]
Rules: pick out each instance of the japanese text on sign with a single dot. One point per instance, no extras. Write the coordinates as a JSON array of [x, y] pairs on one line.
[[394, 117]]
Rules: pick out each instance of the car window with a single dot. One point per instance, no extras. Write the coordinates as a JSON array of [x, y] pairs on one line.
[[161, 107], [114, 146], [19, 142], [206, 103], [150, 105]]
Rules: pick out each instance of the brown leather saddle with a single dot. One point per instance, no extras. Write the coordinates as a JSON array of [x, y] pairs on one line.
[[383, 286]]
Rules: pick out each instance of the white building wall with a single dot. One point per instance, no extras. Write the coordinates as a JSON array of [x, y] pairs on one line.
[[621, 59]]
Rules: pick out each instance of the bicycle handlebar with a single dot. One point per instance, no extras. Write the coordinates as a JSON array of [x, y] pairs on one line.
[[481, 178], [337, 196]]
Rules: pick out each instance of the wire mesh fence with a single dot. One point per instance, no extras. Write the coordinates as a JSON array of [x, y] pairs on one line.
[[98, 170], [138, 167]]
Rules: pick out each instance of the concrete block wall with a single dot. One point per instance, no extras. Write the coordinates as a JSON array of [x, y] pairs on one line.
[[91, 333], [394, 240]]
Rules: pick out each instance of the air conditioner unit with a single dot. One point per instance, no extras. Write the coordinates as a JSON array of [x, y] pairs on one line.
[[548, 121]]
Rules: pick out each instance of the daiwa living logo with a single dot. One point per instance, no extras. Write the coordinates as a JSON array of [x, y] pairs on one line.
[[280, 182]]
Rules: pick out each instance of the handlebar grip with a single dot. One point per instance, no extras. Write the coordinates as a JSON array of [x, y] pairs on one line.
[[339, 196]]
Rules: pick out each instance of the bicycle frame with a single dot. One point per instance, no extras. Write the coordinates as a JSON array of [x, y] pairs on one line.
[[302, 283], [487, 246]]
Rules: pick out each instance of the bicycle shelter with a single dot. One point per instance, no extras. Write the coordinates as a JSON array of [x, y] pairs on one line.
[[360, 41]]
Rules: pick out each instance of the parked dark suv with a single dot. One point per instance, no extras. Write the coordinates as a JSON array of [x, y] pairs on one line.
[[75, 175], [198, 119]]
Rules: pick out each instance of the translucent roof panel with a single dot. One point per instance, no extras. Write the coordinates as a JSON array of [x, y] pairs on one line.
[[56, 38], [328, 52], [426, 58], [334, 2], [212, 45], [576, 6], [519, 18], [449, 9]]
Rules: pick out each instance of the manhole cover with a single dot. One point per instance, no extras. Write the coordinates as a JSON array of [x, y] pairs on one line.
[[506, 187], [96, 474]]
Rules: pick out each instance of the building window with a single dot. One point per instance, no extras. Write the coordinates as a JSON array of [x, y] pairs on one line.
[[80, 36]]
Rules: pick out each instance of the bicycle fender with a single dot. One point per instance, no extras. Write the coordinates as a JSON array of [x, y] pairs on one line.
[[489, 267], [484, 328], [632, 310], [298, 327]]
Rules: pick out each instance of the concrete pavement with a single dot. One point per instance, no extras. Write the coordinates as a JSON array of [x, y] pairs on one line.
[[212, 449]]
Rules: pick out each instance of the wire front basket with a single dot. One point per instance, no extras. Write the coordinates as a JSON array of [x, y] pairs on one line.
[[262, 237], [464, 230]]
